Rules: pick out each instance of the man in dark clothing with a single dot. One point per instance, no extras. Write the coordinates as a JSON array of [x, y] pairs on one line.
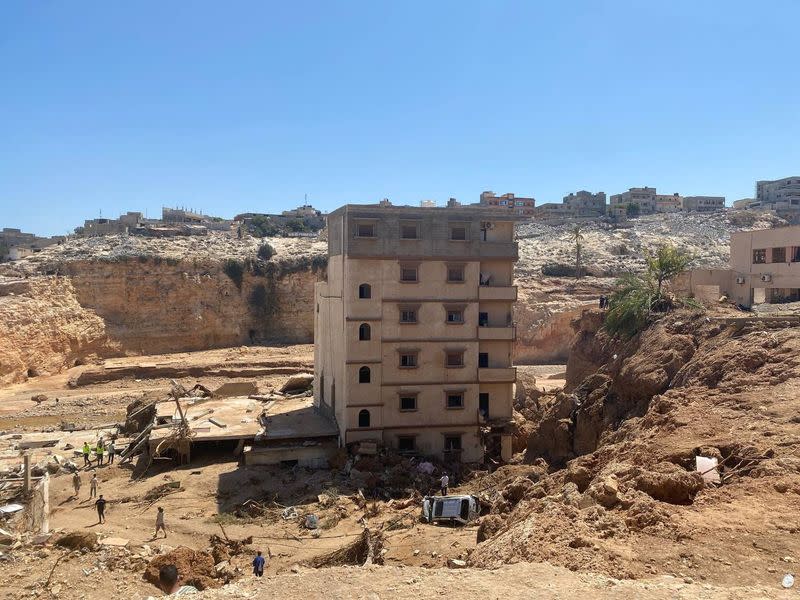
[[101, 509], [258, 565]]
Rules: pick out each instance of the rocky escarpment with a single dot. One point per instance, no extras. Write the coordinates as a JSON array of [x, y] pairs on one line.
[[44, 329], [153, 306]]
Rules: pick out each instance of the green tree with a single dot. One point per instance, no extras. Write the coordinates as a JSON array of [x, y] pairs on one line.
[[633, 210], [637, 298]]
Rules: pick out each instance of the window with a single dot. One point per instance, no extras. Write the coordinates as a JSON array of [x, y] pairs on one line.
[[779, 255], [365, 230], [364, 332], [364, 291], [795, 253], [455, 399], [363, 375], [454, 358], [363, 418], [409, 231], [483, 404], [452, 443], [408, 273], [408, 315], [455, 273], [406, 443], [458, 233], [408, 360], [455, 315], [483, 319], [408, 402], [483, 360], [759, 256]]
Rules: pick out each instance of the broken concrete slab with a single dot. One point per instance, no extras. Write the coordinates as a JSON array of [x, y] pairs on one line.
[[117, 542], [298, 383], [236, 388]]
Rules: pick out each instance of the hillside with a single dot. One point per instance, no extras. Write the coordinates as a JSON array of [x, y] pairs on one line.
[[612, 486]]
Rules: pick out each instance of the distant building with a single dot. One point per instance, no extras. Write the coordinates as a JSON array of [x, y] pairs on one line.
[[703, 203], [644, 198], [17, 244], [306, 210], [779, 195], [586, 204], [764, 267], [743, 204], [666, 203], [427, 203], [514, 205]]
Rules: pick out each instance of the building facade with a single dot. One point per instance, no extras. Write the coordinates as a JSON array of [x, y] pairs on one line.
[[644, 198], [703, 203], [414, 331], [764, 267], [523, 207], [778, 195]]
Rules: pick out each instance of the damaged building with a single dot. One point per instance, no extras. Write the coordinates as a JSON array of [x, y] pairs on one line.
[[414, 330]]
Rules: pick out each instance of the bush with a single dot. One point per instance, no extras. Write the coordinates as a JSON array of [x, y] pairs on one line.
[[558, 270], [235, 270], [266, 251]]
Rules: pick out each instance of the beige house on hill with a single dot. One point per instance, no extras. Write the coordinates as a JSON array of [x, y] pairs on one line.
[[413, 329], [764, 267]]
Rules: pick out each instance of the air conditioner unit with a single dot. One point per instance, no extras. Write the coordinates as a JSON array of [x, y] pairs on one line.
[[766, 278], [740, 280]]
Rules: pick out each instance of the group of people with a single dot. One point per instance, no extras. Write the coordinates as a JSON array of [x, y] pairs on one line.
[[603, 302], [100, 451]]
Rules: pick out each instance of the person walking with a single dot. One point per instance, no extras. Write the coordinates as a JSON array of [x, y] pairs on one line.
[[86, 452], [99, 450], [258, 565], [93, 486], [445, 481], [76, 483], [111, 452], [100, 504], [160, 526]]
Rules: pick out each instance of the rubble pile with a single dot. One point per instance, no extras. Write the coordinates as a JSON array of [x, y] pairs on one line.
[[614, 461], [609, 249]]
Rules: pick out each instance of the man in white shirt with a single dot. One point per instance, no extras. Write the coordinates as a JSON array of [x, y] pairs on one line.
[[445, 483]]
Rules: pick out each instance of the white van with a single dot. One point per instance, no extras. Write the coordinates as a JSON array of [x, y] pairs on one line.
[[459, 509]]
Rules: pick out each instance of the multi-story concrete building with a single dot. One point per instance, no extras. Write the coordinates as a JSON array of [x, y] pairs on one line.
[[778, 195], [668, 203], [414, 331], [586, 204], [764, 267], [519, 206], [644, 198], [703, 203]]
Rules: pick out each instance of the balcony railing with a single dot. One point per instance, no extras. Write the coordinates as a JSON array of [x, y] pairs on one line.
[[497, 333]]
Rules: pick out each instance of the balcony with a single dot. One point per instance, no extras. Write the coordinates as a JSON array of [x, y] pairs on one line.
[[497, 333], [497, 375], [497, 292]]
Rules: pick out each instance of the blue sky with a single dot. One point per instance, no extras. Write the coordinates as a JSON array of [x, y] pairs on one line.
[[247, 106]]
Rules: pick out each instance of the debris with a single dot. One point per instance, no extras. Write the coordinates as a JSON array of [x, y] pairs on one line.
[[363, 551], [217, 422], [426, 467], [788, 581], [117, 542], [311, 522], [162, 490], [77, 540], [196, 568], [290, 512], [455, 563], [236, 388], [298, 383], [707, 467]]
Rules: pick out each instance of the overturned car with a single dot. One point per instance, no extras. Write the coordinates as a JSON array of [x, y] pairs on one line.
[[454, 509]]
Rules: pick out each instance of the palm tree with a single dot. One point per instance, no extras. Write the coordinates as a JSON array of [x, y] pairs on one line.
[[577, 236]]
